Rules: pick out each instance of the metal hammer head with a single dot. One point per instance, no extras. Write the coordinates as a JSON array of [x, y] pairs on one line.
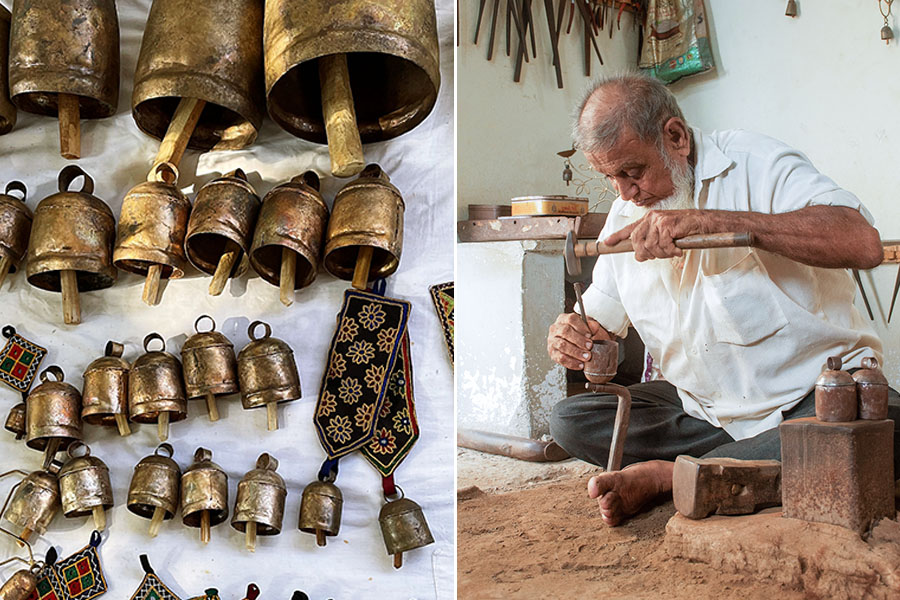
[[573, 263]]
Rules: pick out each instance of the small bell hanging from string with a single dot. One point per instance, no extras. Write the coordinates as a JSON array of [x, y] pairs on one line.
[[567, 173], [887, 34], [791, 10]]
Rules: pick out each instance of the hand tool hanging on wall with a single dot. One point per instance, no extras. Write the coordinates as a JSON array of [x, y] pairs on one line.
[[204, 494], [155, 485], [259, 507], [104, 394], [267, 373], [15, 226], [156, 388], [84, 486], [209, 366]]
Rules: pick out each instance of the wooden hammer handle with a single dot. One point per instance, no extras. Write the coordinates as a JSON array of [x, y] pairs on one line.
[[691, 242]]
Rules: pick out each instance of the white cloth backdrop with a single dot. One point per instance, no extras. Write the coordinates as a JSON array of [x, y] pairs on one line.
[[354, 564]]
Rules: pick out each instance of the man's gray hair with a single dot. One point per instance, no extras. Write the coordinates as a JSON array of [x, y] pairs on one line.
[[643, 105]]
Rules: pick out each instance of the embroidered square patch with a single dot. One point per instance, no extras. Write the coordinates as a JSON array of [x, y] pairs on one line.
[[19, 361]]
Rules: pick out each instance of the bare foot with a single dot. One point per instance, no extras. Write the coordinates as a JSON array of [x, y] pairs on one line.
[[623, 493]]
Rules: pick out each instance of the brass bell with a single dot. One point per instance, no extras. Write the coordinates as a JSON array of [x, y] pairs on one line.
[[872, 390], [15, 222], [64, 61], [154, 490], [365, 233], [104, 394], [887, 34], [210, 367], [7, 108], [33, 502], [791, 10], [20, 586], [71, 244], [287, 244], [204, 494], [835, 394], [152, 227], [53, 415], [84, 487], [259, 508], [404, 528], [267, 373], [220, 229], [156, 389], [320, 510], [15, 421]]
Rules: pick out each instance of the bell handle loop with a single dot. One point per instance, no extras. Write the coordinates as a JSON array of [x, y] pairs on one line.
[[834, 363], [150, 338], [870, 362], [238, 174], [164, 447], [400, 496], [200, 318], [70, 174], [202, 455], [16, 186], [267, 462], [55, 371], [252, 330], [164, 172], [309, 178], [9, 331], [374, 171], [70, 451], [114, 349]]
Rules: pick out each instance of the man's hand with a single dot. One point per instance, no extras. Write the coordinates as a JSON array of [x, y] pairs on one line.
[[569, 341], [654, 235]]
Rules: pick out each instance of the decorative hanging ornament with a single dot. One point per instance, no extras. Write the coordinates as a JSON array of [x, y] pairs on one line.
[[152, 587], [155, 486], [791, 10], [32, 503], [23, 583], [442, 296], [19, 360], [887, 34], [77, 577]]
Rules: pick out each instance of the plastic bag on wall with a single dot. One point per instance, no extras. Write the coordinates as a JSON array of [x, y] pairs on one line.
[[676, 40]]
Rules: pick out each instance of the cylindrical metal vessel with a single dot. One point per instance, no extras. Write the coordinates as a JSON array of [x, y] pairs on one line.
[[15, 421], [392, 55], [835, 394], [320, 508], [210, 51], [20, 586], [209, 363], [266, 370], [34, 502], [260, 498], [155, 484], [84, 484], [204, 486], [293, 216], [105, 391], [367, 212], [7, 108], [153, 224], [69, 47], [872, 390], [155, 385], [53, 411], [225, 211], [604, 361], [15, 222], [72, 231], [403, 526]]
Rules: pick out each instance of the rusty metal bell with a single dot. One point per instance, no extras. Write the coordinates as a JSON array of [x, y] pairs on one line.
[[15, 227], [267, 373], [367, 213], [259, 508], [53, 414], [210, 51], [209, 365], [33, 502], [104, 394], [20, 586], [791, 9], [204, 494], [403, 527], [156, 388], [887, 34], [15, 421], [835, 394], [7, 108], [872, 390], [320, 510], [84, 486], [154, 489]]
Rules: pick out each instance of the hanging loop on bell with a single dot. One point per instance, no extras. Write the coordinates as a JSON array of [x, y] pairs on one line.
[[200, 318], [72, 172], [150, 338], [393, 498], [164, 172], [165, 449], [114, 349], [252, 330], [16, 186], [57, 373], [71, 450]]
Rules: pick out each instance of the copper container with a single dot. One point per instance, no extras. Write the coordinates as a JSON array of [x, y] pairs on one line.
[[84, 484], [209, 364], [153, 224], [210, 51], [15, 222], [403, 527], [872, 390], [320, 509], [260, 498], [15, 421], [392, 55], [604, 361], [72, 231], [53, 412], [225, 211], [7, 108], [204, 487], [293, 216], [20, 586], [155, 385], [367, 212], [155, 484], [105, 391], [266, 370], [34, 501], [67, 47], [835, 394]]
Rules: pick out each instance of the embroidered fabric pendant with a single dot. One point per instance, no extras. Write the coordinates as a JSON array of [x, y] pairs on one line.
[[442, 296], [19, 360], [77, 577], [46, 586], [152, 587]]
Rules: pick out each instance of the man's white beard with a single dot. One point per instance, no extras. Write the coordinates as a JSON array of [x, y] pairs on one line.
[[682, 198]]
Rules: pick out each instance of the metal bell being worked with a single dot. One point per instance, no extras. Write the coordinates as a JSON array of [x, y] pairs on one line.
[[267, 373], [404, 528], [7, 108], [320, 510], [204, 494], [872, 390], [835, 394], [154, 490], [209, 366], [156, 388], [53, 414], [20, 586], [84, 486], [887, 34], [33, 502], [104, 394], [259, 508], [15, 227], [15, 421]]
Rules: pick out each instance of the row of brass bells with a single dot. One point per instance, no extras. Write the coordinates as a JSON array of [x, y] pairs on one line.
[[15, 224], [403, 528], [155, 486], [156, 388], [267, 373], [7, 108], [841, 397], [53, 415], [84, 487], [210, 366], [204, 494], [15, 421], [104, 394], [33, 502], [259, 507]]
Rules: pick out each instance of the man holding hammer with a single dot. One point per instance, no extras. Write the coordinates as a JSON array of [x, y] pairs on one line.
[[739, 334]]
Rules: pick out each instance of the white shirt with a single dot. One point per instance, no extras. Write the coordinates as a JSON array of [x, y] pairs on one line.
[[741, 333]]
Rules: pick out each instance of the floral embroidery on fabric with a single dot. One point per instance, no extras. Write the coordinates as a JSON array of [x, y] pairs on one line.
[[402, 422], [364, 415], [328, 404], [383, 442], [350, 391], [339, 428], [337, 367], [385, 408], [371, 316], [361, 352], [386, 339], [348, 331], [375, 376]]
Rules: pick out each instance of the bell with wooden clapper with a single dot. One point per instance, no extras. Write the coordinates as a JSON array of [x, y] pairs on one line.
[[154, 489], [104, 394], [209, 365], [259, 507], [53, 415], [267, 373], [15, 421], [84, 486], [156, 388], [320, 509], [15, 227], [32, 503], [403, 527], [204, 494]]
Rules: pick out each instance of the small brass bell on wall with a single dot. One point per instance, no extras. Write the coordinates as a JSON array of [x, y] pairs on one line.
[[156, 388], [403, 527], [154, 490], [209, 365], [84, 486], [204, 494], [53, 415], [267, 373], [15, 216], [259, 508], [104, 394], [15, 421], [791, 10], [32, 503], [320, 510]]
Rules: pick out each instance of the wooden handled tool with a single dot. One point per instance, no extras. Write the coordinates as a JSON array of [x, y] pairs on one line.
[[341, 130]]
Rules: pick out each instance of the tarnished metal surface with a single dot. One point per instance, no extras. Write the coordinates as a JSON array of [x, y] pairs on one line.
[[153, 224], [260, 498], [838, 473], [366, 212], [511, 446], [15, 421], [724, 486], [53, 411], [835, 394], [84, 484], [7, 108], [155, 385], [15, 223], [105, 391], [393, 61], [204, 486], [209, 363], [72, 231], [211, 51], [266, 370], [872, 390], [294, 216], [20, 586], [67, 47], [34, 502], [403, 526], [604, 361], [225, 210], [623, 418], [155, 484], [320, 508]]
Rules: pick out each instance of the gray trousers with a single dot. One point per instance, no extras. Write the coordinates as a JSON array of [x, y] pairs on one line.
[[660, 429]]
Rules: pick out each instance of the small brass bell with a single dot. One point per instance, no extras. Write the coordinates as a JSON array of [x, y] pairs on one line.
[[259, 508], [15, 218], [320, 510], [15, 421], [156, 388], [567, 173], [404, 528], [872, 390], [887, 34], [33, 502], [84, 487], [7, 108], [209, 365], [104, 394], [154, 490], [220, 229], [267, 373], [835, 394], [204, 494], [20, 586], [53, 415], [791, 10], [287, 244]]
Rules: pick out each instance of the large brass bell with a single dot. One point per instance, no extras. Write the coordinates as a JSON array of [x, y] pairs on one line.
[[204, 494], [320, 510], [104, 394], [267, 373], [365, 233], [53, 414], [15, 226], [33, 502], [71, 244], [20, 586], [152, 227], [84, 486], [154, 490], [403, 527], [156, 389], [259, 508], [15, 421], [209, 365], [7, 108], [287, 244], [220, 229], [64, 62]]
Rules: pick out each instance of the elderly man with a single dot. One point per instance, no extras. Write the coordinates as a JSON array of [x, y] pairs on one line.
[[739, 335]]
